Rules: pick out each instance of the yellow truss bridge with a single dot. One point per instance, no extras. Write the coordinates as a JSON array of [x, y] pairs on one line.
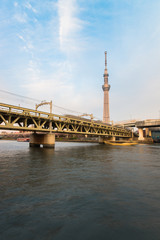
[[24, 119]]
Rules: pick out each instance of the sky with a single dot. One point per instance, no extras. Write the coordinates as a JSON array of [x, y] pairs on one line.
[[54, 50]]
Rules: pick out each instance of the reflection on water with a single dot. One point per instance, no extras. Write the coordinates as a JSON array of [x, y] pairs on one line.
[[79, 191]]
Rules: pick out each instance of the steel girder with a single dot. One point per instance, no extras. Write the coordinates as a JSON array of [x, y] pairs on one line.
[[24, 119]]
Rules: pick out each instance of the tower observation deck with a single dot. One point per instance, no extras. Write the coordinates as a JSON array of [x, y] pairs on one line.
[[106, 88]]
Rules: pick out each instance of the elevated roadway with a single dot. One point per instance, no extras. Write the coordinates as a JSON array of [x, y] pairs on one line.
[[139, 123], [147, 125]]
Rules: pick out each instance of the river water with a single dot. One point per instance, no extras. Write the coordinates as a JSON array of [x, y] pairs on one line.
[[79, 191]]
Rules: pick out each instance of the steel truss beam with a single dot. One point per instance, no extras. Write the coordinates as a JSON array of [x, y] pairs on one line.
[[24, 119]]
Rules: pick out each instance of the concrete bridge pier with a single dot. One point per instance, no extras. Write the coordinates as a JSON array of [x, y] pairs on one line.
[[148, 132], [47, 140], [141, 138], [145, 135], [102, 139]]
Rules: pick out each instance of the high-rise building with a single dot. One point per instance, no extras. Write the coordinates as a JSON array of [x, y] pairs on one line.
[[106, 88]]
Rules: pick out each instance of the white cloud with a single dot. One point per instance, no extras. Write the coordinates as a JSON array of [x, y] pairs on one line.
[[58, 87], [15, 4], [48, 84], [20, 12], [59, 82], [20, 37], [69, 25], [30, 7], [27, 44], [20, 17]]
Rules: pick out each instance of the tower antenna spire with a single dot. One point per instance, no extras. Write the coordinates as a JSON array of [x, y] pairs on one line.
[[105, 59]]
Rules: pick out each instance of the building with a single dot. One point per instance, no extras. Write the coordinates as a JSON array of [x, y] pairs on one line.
[[106, 88]]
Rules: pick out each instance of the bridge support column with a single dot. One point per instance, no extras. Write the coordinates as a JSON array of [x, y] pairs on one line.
[[47, 140], [148, 132], [103, 139], [113, 139], [141, 138]]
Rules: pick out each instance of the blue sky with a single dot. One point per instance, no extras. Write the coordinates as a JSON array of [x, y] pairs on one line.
[[54, 49]]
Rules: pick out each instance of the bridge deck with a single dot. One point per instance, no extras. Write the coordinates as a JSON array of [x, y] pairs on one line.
[[24, 119]]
